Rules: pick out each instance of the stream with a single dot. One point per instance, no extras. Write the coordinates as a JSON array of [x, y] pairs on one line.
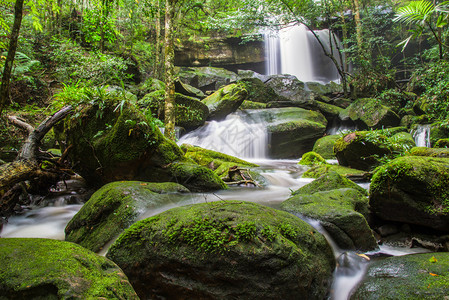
[[49, 218]]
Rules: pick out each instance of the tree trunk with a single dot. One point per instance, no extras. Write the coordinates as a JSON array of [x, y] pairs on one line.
[[157, 58], [169, 70], [358, 25], [4, 88]]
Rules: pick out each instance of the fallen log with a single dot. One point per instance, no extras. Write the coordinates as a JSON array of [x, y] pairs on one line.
[[26, 167]]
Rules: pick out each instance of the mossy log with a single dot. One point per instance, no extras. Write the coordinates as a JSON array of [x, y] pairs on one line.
[[26, 167]]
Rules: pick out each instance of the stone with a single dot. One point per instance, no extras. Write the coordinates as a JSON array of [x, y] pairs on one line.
[[225, 101], [413, 190], [370, 113], [416, 276], [327, 182], [431, 152], [311, 158], [207, 78], [115, 207], [50, 269], [225, 250], [342, 212], [325, 146]]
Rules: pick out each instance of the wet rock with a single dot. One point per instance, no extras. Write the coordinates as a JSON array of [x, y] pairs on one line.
[[50, 269], [190, 112], [115, 207], [417, 276], [223, 250], [327, 182], [342, 212], [325, 146], [259, 92], [370, 113], [225, 101], [311, 158], [288, 86], [412, 189], [112, 143], [207, 78]]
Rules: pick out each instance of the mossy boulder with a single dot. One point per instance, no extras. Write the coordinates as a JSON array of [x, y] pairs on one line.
[[437, 132], [222, 163], [320, 169], [331, 112], [188, 90], [289, 87], [432, 152], [402, 140], [115, 207], [325, 146], [311, 158], [417, 276], [112, 144], [225, 101], [223, 250], [412, 189], [190, 112], [50, 269], [292, 130], [370, 113], [252, 105], [148, 86], [342, 212], [258, 91], [327, 182], [362, 149], [207, 78]]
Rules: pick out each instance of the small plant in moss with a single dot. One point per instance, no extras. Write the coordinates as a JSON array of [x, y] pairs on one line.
[[268, 234], [286, 230], [246, 231]]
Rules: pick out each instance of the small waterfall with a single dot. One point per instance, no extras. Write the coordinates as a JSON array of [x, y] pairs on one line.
[[272, 53], [422, 136], [237, 135], [296, 51]]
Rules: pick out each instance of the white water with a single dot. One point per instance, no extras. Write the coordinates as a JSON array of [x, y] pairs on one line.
[[237, 135], [422, 136], [296, 51]]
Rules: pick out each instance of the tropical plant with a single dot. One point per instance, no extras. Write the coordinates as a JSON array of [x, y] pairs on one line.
[[424, 15]]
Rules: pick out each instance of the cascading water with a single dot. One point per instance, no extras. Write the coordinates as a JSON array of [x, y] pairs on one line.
[[299, 53], [422, 136], [237, 135]]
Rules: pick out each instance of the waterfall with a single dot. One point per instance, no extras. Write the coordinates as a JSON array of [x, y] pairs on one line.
[[237, 135], [296, 51], [422, 136]]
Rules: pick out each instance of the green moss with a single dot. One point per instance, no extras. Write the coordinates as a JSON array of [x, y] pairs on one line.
[[328, 181], [418, 276], [325, 146], [432, 152], [320, 170], [114, 207], [252, 105], [311, 158], [442, 143], [58, 269]]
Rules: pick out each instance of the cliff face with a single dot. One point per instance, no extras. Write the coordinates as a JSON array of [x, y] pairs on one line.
[[226, 52]]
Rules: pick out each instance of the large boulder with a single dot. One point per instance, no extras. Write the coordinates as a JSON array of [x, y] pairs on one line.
[[412, 189], [417, 276], [342, 212], [292, 130], [49, 269], [327, 182], [223, 250], [225, 101], [190, 112], [432, 152], [289, 87], [115, 141], [325, 146], [370, 113], [318, 170], [362, 149], [260, 92], [115, 207], [207, 78]]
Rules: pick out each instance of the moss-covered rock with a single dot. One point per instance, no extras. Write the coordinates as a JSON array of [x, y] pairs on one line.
[[289, 87], [412, 189], [190, 112], [342, 212], [325, 146], [311, 158], [330, 111], [49, 269], [370, 113], [150, 85], [258, 91], [223, 250], [432, 152], [321, 169], [207, 78], [115, 207], [362, 149], [252, 105], [437, 132], [327, 182], [225, 101], [188, 90], [417, 276], [402, 140], [112, 144]]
